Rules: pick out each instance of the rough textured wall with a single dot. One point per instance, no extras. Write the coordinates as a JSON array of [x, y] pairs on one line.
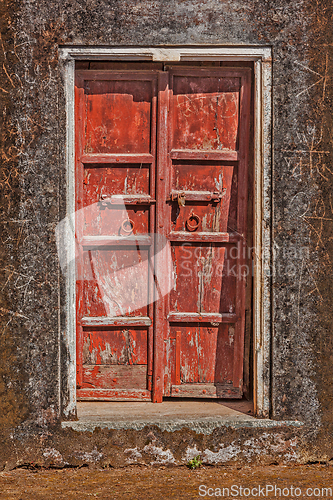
[[33, 187]]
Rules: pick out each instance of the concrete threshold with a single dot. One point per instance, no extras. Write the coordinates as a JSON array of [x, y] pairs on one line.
[[200, 416]]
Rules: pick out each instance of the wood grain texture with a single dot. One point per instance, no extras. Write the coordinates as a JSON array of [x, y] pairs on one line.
[[113, 395], [205, 391], [115, 346], [114, 377]]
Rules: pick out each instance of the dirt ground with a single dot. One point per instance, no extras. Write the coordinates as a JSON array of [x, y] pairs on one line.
[[308, 481]]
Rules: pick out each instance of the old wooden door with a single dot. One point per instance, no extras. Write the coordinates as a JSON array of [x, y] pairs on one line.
[[161, 156]]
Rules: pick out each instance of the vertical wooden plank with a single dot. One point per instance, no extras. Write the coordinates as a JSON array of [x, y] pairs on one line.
[[152, 214], [167, 215], [241, 215], [79, 140], [178, 341], [244, 132], [161, 194]]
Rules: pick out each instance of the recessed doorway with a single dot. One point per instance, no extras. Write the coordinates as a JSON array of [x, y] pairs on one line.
[[162, 240]]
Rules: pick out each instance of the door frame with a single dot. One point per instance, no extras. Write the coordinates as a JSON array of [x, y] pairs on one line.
[[262, 204]]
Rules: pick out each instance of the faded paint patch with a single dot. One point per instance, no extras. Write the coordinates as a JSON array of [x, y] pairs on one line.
[[133, 455], [54, 456], [266, 445], [190, 453], [91, 457], [225, 454], [160, 456]]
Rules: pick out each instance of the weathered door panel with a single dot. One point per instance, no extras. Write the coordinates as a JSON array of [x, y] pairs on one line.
[[111, 180], [206, 200], [118, 114], [190, 343], [119, 277], [115, 347], [194, 373], [115, 377], [115, 192], [197, 278], [205, 111]]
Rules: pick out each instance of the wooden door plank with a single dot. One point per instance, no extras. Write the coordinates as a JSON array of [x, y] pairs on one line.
[[129, 75], [152, 228], [116, 321], [121, 158], [116, 345], [242, 227], [204, 237], [79, 144], [160, 331], [184, 317], [99, 241], [205, 391], [192, 154], [113, 395]]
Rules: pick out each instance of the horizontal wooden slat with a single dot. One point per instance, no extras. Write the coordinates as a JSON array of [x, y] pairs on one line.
[[193, 154], [114, 377], [186, 317], [127, 199], [113, 394], [116, 321], [207, 72], [205, 391], [204, 237], [116, 158], [109, 241], [132, 74], [195, 195]]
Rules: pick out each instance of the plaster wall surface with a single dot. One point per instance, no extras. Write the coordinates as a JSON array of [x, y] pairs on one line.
[[33, 200]]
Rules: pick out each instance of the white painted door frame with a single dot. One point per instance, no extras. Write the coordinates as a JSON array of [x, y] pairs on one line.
[[262, 300]]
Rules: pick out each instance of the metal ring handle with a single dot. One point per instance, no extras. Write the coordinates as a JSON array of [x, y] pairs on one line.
[[193, 227], [125, 223]]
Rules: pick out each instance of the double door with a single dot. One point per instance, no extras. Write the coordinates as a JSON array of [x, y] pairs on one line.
[[161, 218]]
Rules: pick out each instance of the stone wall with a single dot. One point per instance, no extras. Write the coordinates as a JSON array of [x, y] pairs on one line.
[[32, 187]]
